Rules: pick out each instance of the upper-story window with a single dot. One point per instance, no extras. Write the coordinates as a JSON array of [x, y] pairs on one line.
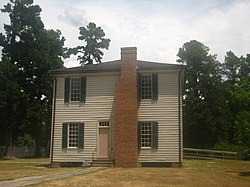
[[75, 89], [148, 86]]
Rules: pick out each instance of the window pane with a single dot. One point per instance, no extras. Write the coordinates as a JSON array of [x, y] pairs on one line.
[[73, 135], [146, 87], [103, 123], [146, 129], [75, 89]]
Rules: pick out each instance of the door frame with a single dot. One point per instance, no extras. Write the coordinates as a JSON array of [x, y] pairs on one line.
[[98, 136]]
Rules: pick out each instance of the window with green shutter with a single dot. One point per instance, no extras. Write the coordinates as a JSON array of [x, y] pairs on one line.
[[139, 87], [73, 135], [154, 140], [66, 89], [81, 136], [75, 89], [154, 87], [148, 135], [83, 89], [148, 86], [64, 135]]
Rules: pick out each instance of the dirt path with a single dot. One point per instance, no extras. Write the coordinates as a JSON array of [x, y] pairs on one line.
[[43, 178]]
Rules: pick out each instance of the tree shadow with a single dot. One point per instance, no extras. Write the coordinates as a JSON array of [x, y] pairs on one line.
[[245, 173]]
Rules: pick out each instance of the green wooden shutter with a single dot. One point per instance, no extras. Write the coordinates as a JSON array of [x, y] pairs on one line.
[[154, 139], [83, 89], [64, 135], [155, 87], [139, 135], [138, 87], [66, 89], [80, 135]]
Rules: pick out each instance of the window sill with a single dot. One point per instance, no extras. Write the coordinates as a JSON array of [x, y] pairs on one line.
[[74, 103], [146, 148]]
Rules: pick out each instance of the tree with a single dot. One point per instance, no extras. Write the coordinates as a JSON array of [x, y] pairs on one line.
[[236, 71], [12, 103], [32, 51], [205, 112], [94, 41]]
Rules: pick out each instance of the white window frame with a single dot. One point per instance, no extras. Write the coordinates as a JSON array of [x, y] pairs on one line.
[[78, 98], [143, 93], [75, 135], [146, 134], [103, 124]]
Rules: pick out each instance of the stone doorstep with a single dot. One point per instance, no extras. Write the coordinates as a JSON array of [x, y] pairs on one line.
[[102, 163]]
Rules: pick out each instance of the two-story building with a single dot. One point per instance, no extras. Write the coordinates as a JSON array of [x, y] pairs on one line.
[[126, 111]]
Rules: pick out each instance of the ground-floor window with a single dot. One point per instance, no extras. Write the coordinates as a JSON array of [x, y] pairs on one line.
[[103, 123], [148, 134], [146, 130], [73, 135]]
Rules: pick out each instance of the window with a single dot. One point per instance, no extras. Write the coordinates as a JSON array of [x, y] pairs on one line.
[[148, 86], [103, 123], [75, 89], [148, 135], [73, 135]]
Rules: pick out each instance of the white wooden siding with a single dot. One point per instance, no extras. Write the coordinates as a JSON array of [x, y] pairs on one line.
[[165, 111], [99, 106]]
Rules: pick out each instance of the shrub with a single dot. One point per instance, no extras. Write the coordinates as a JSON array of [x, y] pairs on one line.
[[224, 146]]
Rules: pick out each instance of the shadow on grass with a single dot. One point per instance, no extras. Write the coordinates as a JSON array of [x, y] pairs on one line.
[[44, 165], [245, 173]]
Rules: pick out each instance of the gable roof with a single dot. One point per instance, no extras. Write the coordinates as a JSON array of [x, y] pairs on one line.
[[115, 66]]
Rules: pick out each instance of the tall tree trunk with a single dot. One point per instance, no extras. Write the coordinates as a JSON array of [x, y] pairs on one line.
[[8, 142]]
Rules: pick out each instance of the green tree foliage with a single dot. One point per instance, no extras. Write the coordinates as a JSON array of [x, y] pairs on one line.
[[205, 112], [94, 40], [242, 128], [32, 51], [236, 71], [25, 141], [12, 103]]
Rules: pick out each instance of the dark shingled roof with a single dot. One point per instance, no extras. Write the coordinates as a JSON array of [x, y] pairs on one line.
[[115, 66]]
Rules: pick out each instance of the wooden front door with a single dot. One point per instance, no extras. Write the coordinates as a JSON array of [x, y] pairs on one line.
[[103, 151]]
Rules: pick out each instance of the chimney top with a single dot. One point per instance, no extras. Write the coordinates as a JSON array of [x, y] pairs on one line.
[[128, 50]]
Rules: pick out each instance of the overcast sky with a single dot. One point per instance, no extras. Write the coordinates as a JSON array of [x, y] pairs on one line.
[[158, 28]]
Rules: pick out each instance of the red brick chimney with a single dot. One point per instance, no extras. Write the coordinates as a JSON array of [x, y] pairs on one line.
[[126, 111]]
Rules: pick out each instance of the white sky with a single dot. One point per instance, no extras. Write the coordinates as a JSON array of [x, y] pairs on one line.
[[158, 28]]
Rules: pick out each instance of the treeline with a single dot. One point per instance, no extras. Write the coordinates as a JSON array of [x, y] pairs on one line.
[[216, 99], [216, 95], [29, 51]]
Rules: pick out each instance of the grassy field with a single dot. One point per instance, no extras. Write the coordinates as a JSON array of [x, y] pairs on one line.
[[194, 173], [17, 168]]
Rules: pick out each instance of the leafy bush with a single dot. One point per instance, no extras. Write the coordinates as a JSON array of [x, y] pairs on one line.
[[2, 151], [224, 146], [25, 141], [246, 155]]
